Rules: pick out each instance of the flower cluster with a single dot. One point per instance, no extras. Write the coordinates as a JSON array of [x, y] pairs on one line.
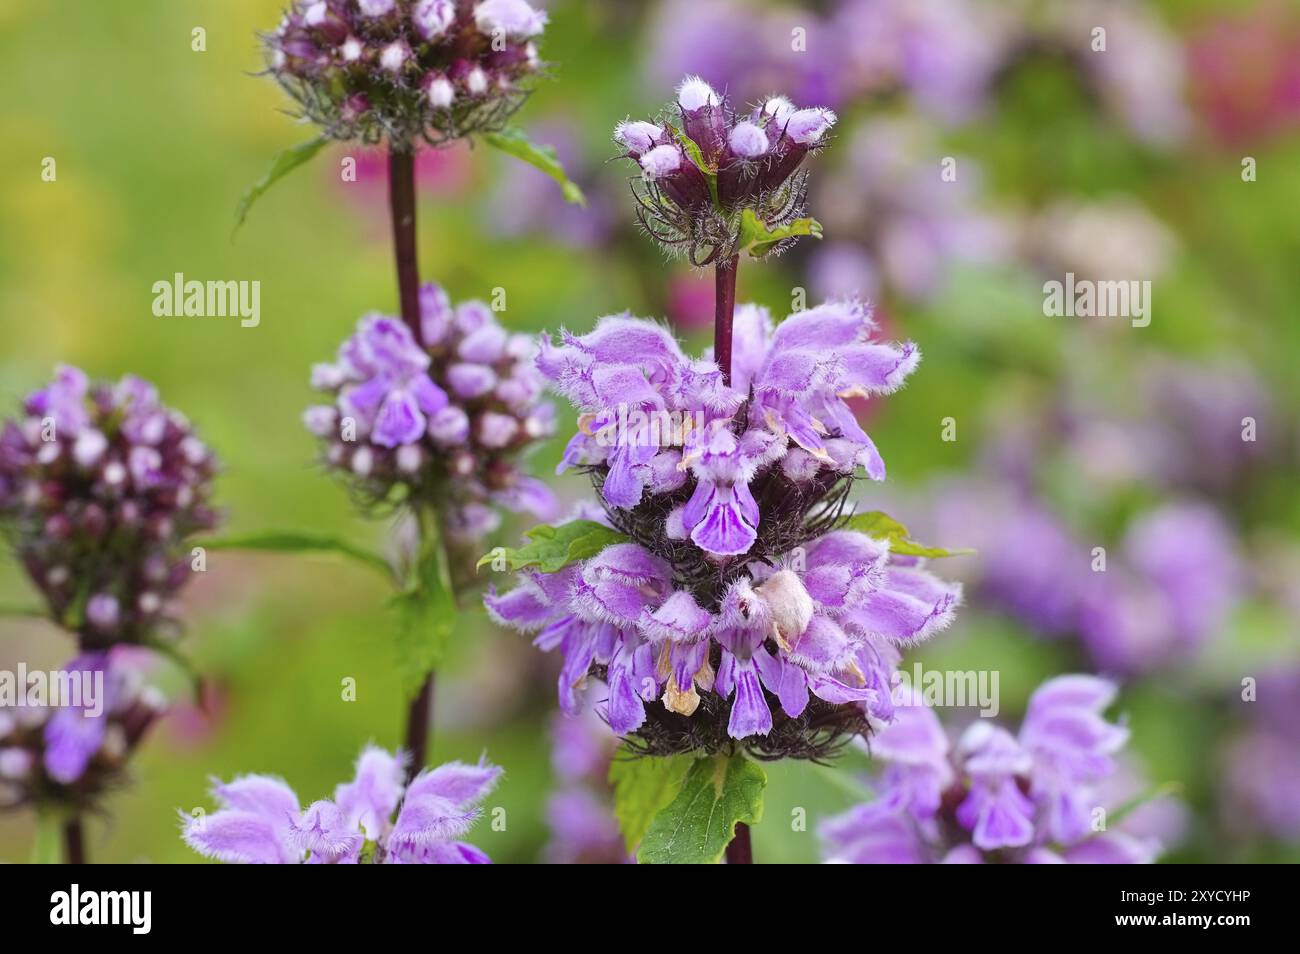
[[101, 486], [1260, 779], [68, 755], [580, 811], [406, 70], [1033, 798], [376, 818], [702, 170], [739, 598], [950, 59], [896, 229], [445, 420], [1160, 595]]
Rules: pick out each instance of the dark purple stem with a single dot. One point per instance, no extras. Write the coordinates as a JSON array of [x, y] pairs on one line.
[[723, 313], [74, 841], [401, 199], [740, 852], [419, 725]]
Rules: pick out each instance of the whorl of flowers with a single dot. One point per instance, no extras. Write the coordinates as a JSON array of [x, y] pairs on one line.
[[739, 608], [1027, 798], [101, 486], [406, 70], [442, 421], [703, 168], [69, 755], [374, 819]]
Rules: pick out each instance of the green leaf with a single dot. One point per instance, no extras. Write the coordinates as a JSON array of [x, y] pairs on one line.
[[643, 787], [757, 239], [23, 611], [426, 609], [301, 541], [287, 161], [698, 824], [553, 548], [692, 149], [515, 142], [1137, 801], [881, 526]]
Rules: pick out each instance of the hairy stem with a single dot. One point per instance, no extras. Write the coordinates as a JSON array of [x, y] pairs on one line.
[[739, 851], [401, 200], [74, 841], [723, 313]]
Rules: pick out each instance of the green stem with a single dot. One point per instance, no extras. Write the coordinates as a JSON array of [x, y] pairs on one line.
[[419, 715]]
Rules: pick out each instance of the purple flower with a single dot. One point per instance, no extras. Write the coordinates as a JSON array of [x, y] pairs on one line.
[[1260, 780], [1033, 798], [628, 375], [101, 489], [77, 750], [898, 226], [728, 601], [1178, 578], [705, 166], [374, 818], [406, 70], [447, 418], [580, 810]]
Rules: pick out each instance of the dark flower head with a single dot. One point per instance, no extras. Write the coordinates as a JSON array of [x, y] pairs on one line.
[[705, 165], [101, 489], [68, 756], [443, 421], [406, 70]]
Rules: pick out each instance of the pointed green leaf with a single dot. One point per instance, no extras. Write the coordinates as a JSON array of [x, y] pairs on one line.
[[692, 149], [757, 239], [553, 548], [881, 526], [515, 142], [287, 161], [301, 541], [698, 824], [643, 787]]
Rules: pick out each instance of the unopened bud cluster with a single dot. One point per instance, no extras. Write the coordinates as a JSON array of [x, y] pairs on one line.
[[702, 168], [101, 487], [406, 70]]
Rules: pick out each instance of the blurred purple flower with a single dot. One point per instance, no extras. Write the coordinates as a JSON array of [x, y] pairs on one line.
[[1030, 798], [73, 753]]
